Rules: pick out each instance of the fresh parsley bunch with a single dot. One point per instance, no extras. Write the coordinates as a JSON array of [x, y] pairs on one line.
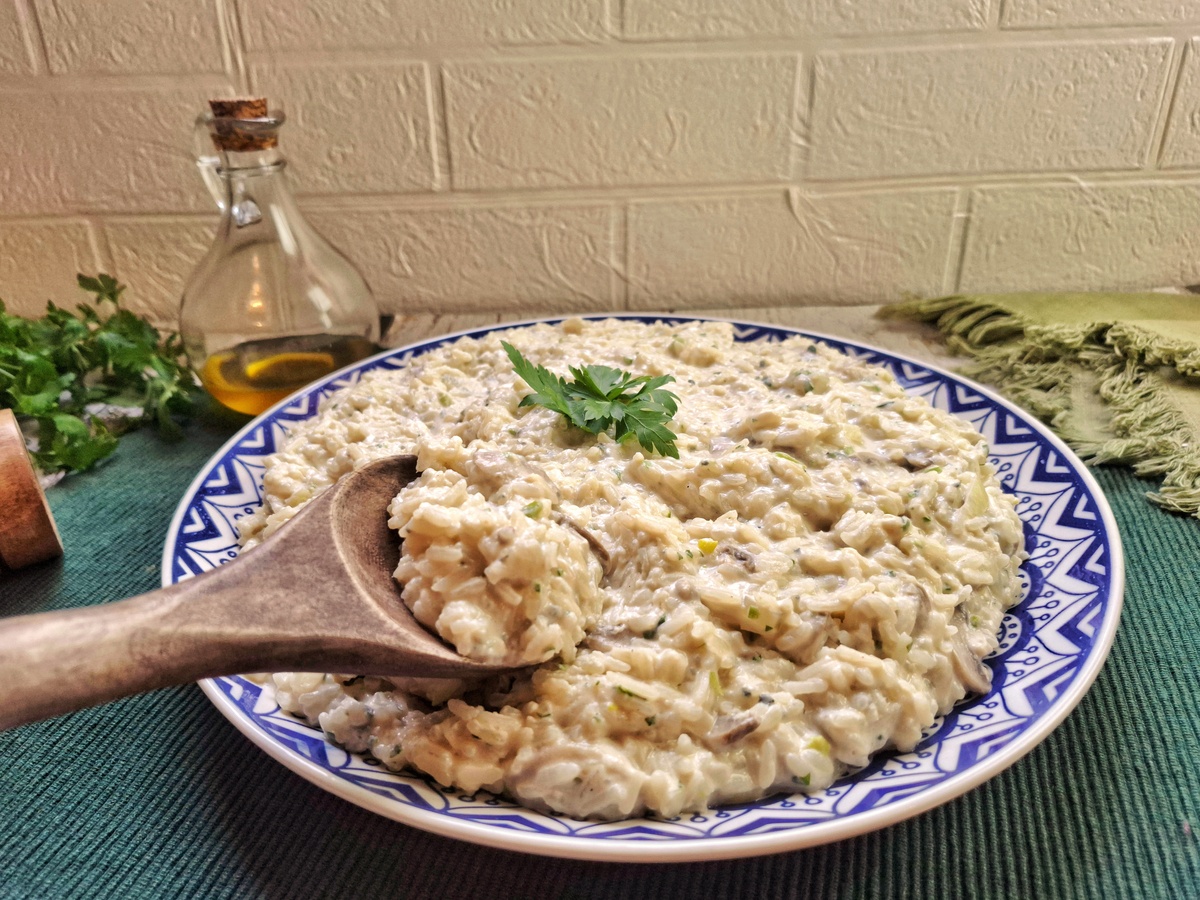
[[601, 397], [53, 368]]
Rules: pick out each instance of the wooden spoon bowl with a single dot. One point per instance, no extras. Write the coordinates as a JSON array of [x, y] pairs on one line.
[[317, 596]]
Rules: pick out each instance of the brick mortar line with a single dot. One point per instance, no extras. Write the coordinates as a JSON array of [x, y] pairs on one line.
[[995, 15], [233, 45], [109, 83], [956, 255], [803, 100], [1007, 179], [634, 196], [598, 51], [50, 219], [102, 248], [440, 127], [635, 193], [613, 17], [33, 38], [974, 38], [619, 275], [567, 196], [1182, 50]]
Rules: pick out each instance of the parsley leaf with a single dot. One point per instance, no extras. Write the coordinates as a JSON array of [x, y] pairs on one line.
[[550, 390], [601, 397], [54, 368]]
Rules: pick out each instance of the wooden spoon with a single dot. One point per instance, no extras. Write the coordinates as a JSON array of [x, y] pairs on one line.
[[317, 596]]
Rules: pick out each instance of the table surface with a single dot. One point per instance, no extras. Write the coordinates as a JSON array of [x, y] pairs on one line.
[[159, 796]]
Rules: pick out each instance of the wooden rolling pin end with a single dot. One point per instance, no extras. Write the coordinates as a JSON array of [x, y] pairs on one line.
[[28, 534]]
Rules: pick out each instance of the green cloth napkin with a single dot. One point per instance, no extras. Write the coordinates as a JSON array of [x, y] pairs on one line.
[[1117, 376]]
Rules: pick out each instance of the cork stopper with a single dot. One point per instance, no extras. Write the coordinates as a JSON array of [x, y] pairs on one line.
[[228, 134]]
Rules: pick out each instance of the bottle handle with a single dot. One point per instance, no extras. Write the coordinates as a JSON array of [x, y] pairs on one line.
[[208, 161]]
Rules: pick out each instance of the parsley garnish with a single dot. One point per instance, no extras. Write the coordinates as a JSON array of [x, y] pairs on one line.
[[54, 367], [600, 398]]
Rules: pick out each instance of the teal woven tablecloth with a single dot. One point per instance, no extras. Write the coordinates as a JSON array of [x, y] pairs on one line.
[[159, 796]]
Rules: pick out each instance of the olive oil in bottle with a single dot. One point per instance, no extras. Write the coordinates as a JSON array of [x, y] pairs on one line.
[[272, 305], [253, 376]]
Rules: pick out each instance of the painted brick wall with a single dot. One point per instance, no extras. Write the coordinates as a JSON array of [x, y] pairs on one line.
[[529, 156]]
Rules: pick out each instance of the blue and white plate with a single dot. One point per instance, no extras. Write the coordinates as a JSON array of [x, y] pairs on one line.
[[1052, 647]]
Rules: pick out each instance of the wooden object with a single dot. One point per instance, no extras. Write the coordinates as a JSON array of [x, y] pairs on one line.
[[228, 134], [239, 108], [318, 596], [27, 531]]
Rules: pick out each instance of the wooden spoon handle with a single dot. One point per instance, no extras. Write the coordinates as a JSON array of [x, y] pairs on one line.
[[304, 601], [53, 663], [250, 615], [288, 605], [236, 618]]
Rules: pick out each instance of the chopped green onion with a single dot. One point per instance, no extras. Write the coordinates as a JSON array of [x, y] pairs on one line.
[[628, 693], [714, 683]]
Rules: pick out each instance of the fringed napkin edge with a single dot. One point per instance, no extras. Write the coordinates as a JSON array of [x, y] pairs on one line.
[[1053, 370]]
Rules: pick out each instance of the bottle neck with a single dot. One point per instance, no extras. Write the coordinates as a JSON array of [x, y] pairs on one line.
[[237, 145], [249, 161], [255, 186]]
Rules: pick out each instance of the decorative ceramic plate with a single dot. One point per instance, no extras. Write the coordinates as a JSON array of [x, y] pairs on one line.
[[1052, 647]]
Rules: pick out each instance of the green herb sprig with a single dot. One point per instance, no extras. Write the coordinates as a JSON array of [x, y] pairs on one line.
[[53, 367], [600, 398]]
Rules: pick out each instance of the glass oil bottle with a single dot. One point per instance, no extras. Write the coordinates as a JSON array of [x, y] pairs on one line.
[[272, 306]]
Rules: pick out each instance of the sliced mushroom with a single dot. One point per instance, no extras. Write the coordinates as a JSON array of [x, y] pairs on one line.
[[728, 730], [924, 606], [916, 460], [746, 559], [969, 668], [594, 542]]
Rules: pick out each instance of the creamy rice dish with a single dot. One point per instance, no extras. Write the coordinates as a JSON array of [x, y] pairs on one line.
[[817, 577]]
